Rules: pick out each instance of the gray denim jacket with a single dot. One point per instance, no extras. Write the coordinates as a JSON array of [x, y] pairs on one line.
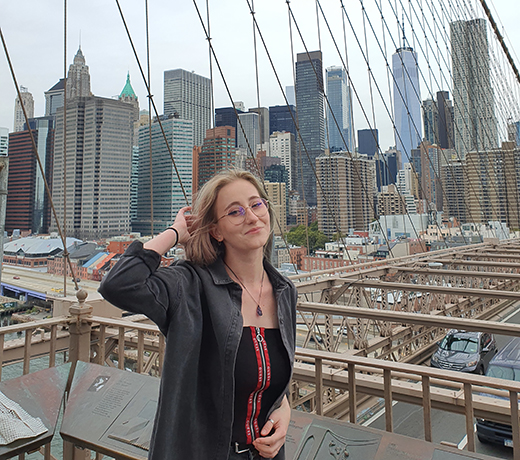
[[198, 309]]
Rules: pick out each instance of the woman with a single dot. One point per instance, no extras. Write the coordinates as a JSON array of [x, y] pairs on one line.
[[229, 319]]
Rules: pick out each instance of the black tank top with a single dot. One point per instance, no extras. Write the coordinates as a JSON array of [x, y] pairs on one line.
[[262, 371]]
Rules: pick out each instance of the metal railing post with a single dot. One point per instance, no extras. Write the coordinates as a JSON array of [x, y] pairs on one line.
[[80, 329], [79, 350]]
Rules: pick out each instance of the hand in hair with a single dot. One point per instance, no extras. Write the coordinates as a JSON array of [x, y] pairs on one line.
[[183, 224]]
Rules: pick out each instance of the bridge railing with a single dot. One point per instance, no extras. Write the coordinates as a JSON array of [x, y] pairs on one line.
[[456, 392], [321, 374]]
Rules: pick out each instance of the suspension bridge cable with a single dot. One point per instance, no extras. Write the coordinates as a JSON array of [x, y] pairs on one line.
[[37, 156], [350, 154], [150, 96], [442, 153]]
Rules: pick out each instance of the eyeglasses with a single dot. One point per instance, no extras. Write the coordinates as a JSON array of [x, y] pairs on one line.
[[237, 214]]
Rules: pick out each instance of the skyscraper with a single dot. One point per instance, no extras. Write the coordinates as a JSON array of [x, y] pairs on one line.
[[163, 182], [189, 95], [28, 103], [28, 206], [4, 141], [218, 152], [98, 167], [474, 109], [248, 135], [263, 123], [283, 146], [280, 119], [454, 187], [341, 136], [407, 101], [227, 116], [368, 140], [345, 202], [438, 120], [78, 77], [309, 105], [54, 98]]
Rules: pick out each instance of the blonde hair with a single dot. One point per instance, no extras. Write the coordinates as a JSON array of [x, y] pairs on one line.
[[202, 248]]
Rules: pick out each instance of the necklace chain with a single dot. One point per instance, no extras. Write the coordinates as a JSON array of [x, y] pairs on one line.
[[259, 311]]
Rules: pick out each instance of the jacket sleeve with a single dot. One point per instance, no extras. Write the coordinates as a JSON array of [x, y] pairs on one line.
[[137, 284]]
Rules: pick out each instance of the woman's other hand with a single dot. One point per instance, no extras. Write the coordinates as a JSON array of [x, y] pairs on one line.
[[269, 445]]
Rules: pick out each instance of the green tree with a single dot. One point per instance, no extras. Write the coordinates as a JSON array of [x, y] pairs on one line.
[[297, 236]]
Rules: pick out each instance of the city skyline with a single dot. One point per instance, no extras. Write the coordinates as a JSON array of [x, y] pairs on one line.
[[110, 59]]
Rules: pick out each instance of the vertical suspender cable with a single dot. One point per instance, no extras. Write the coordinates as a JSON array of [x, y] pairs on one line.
[[149, 96], [65, 251]]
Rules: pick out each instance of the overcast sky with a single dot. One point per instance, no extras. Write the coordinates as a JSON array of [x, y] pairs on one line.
[[35, 40]]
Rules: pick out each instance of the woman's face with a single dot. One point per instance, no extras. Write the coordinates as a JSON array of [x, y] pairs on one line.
[[251, 233]]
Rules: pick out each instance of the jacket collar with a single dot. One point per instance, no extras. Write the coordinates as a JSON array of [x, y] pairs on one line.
[[218, 272]]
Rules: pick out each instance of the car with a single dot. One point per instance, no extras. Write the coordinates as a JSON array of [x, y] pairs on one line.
[[16, 277], [505, 365], [465, 351]]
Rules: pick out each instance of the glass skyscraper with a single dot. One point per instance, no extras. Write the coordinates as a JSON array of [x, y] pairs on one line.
[[340, 125], [407, 101], [167, 193], [309, 106], [189, 95], [280, 119]]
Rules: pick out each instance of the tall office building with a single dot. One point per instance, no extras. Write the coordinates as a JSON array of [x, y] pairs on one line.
[[282, 118], [163, 183], [290, 94], [430, 175], [98, 167], [4, 141], [78, 77], [407, 101], [453, 185], [54, 98], [189, 95], [248, 135], [438, 120], [474, 108], [345, 202], [28, 207], [341, 136], [386, 168], [309, 105], [28, 103], [218, 152], [446, 119], [368, 142], [283, 146], [277, 194], [227, 116], [128, 95], [263, 123], [407, 182], [430, 121]]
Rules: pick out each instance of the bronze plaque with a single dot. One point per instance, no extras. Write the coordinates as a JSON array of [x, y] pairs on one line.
[[311, 437], [111, 411]]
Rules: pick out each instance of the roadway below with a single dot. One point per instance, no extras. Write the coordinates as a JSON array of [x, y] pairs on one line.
[[447, 427], [44, 283]]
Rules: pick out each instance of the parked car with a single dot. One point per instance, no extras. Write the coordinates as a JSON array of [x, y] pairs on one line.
[[465, 351], [505, 365]]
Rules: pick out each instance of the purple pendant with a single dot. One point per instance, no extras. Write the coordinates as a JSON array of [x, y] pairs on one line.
[[259, 311]]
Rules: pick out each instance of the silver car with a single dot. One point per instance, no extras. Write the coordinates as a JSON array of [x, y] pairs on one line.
[[465, 351]]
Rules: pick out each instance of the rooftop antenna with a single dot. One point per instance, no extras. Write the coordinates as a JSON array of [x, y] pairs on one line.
[[404, 37], [80, 39]]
